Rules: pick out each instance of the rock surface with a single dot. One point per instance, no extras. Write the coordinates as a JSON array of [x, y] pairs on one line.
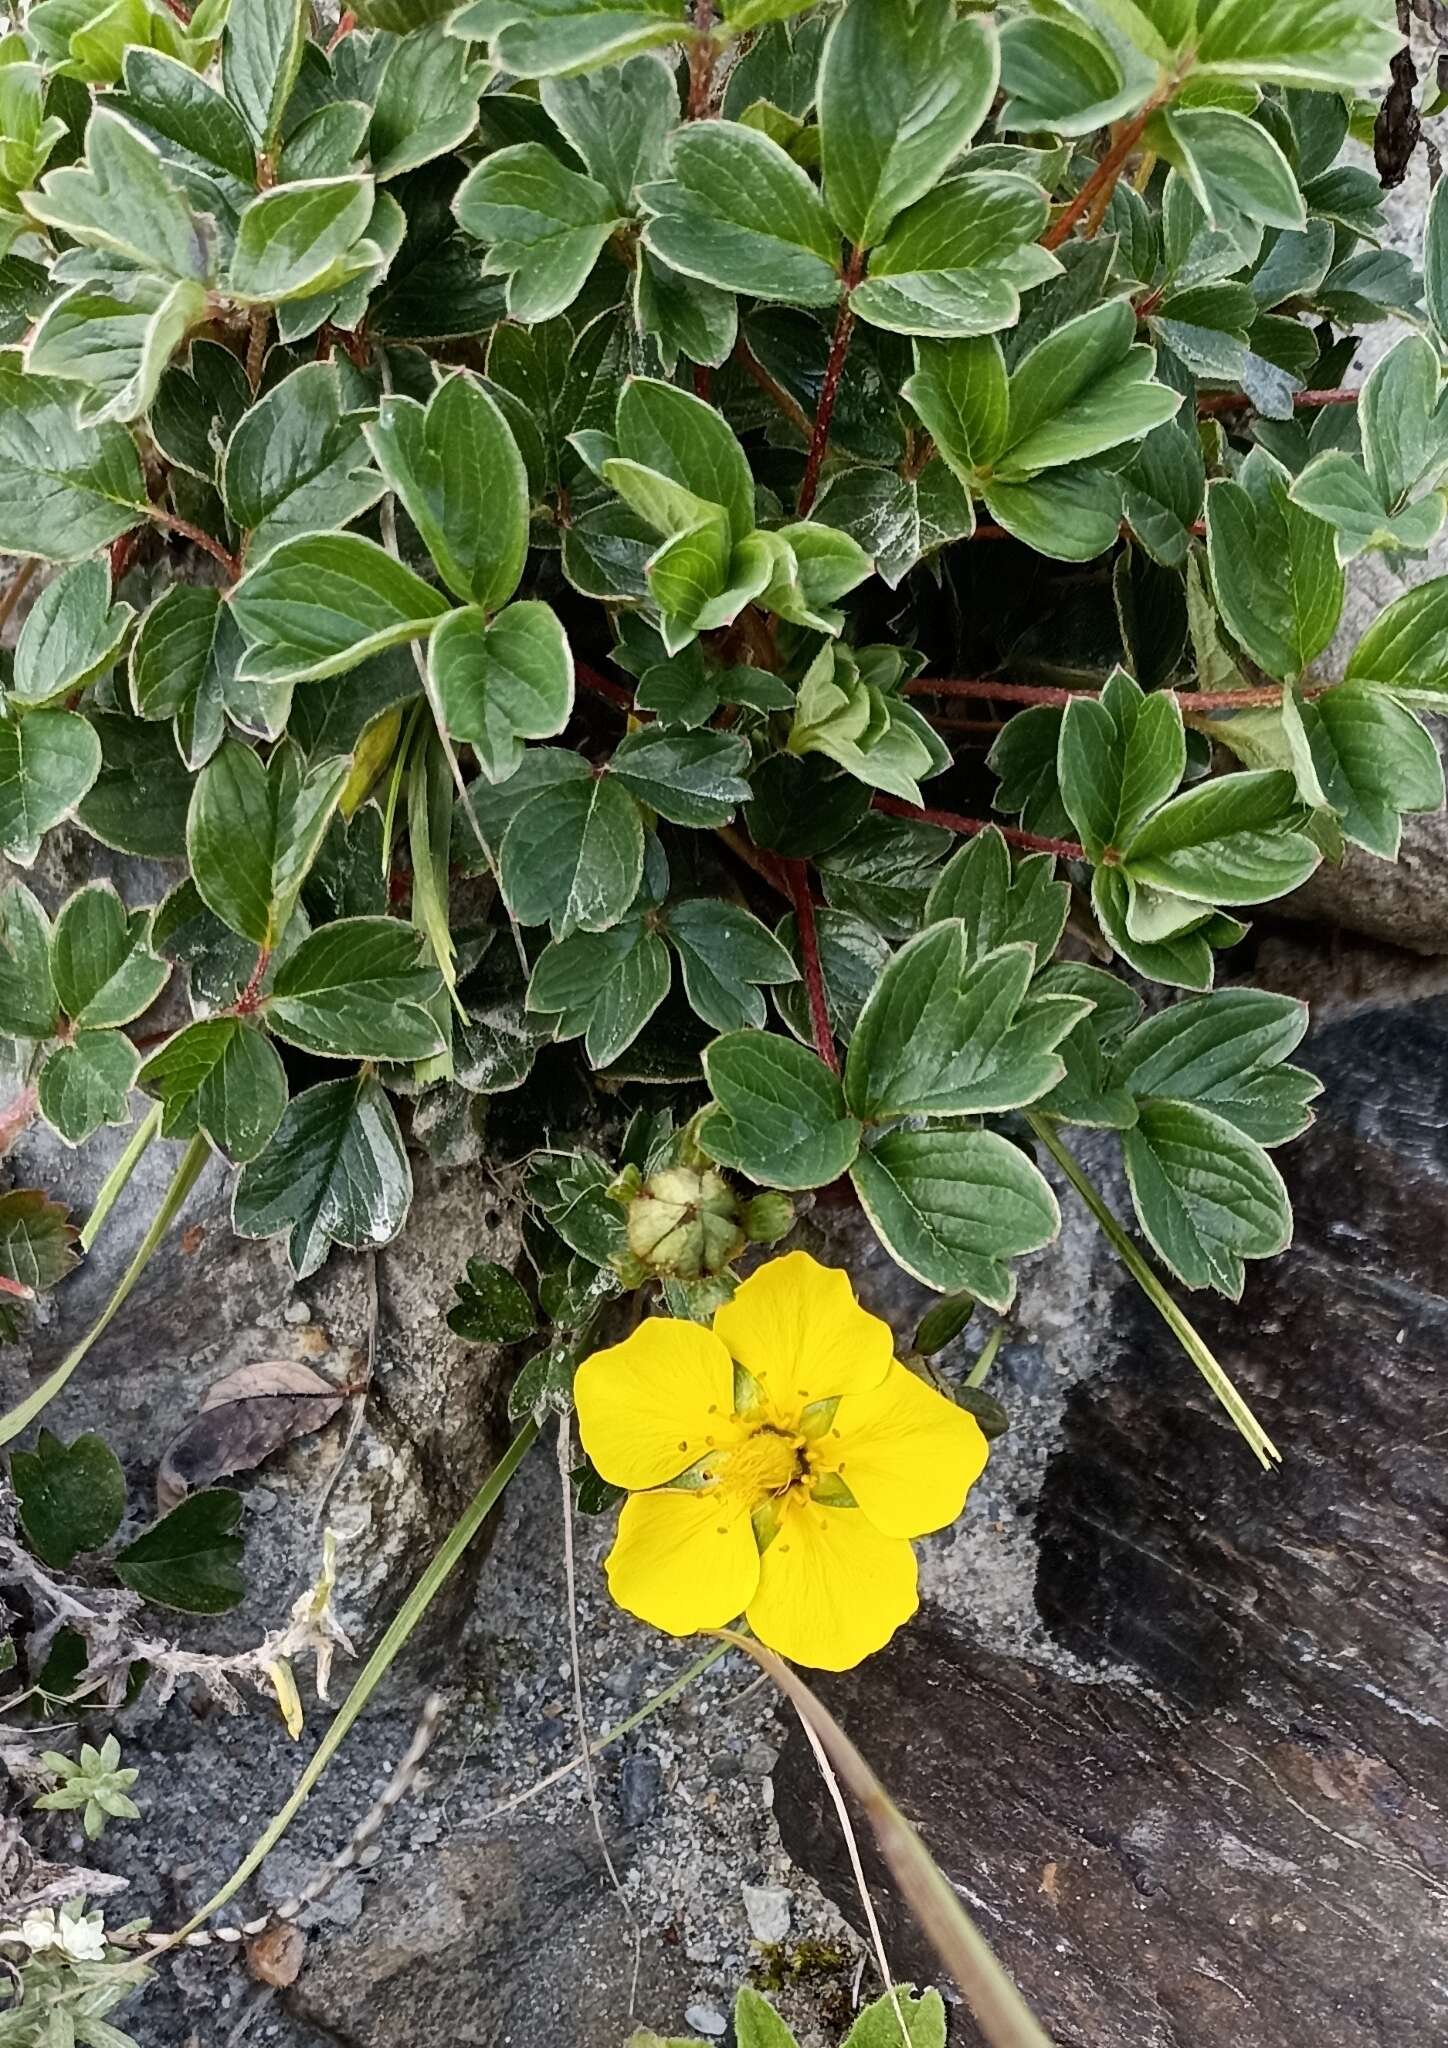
[[1222, 1818]]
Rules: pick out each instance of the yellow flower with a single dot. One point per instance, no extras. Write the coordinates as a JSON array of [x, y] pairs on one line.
[[777, 1467]]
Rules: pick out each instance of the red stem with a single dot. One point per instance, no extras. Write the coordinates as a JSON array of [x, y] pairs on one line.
[[797, 875], [1238, 401], [952, 821], [819, 439], [250, 997], [1050, 693], [1101, 183], [603, 686], [199, 538], [702, 55]]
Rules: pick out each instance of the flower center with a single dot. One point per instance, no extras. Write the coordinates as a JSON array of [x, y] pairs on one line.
[[766, 1463]]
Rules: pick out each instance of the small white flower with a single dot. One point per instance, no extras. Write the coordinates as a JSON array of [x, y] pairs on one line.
[[84, 1941], [38, 1931]]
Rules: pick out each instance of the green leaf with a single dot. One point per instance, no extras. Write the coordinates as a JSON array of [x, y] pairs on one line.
[[261, 54], [1184, 960], [951, 1206], [1435, 262], [1232, 840], [48, 760], [1206, 1195], [87, 1083], [1312, 43], [962, 395], [503, 681], [71, 637], [1336, 488], [336, 1172], [197, 406], [940, 1038], [426, 101], [900, 96], [72, 1496], [361, 988], [852, 954], [138, 802], [491, 1306], [1000, 900], [957, 261], [780, 1114], [739, 213], [539, 39], [65, 491], [1232, 165], [668, 431], [1226, 1052], [1084, 389], [1165, 491], [618, 121], [455, 465], [200, 133], [727, 957], [573, 856], [297, 463], [1070, 515], [183, 666], [1274, 567], [322, 603], [878, 2025], [690, 778], [1405, 649], [189, 1559], [1088, 1094], [37, 1240], [1025, 758], [101, 963], [29, 1007], [222, 1077], [602, 985], [898, 521], [1061, 76], [121, 201], [756, 2024], [1121, 756], [547, 226], [114, 342], [1374, 760], [296, 239], [253, 832]]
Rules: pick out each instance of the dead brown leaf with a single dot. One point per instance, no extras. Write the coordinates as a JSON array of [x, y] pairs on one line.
[[275, 1955], [244, 1418]]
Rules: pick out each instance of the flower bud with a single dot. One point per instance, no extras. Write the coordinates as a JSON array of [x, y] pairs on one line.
[[768, 1217], [684, 1223]]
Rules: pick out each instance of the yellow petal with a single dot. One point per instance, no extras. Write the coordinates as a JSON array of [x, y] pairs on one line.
[[683, 1561], [907, 1454], [795, 1327], [654, 1405], [832, 1589]]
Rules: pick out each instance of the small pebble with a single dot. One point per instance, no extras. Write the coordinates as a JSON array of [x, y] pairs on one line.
[[296, 1311], [767, 1909], [724, 1764], [706, 2019], [759, 1760], [640, 1780]]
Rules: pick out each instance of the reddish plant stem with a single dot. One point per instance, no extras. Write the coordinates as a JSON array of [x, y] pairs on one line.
[[1051, 693], [797, 873], [16, 589], [952, 821], [702, 55], [250, 997], [1095, 195], [344, 28], [1305, 401], [704, 383], [122, 554], [603, 686], [819, 439], [198, 537], [793, 411]]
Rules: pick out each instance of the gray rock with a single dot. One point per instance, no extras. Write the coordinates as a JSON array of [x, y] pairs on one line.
[[1197, 1804], [707, 2019], [767, 1909]]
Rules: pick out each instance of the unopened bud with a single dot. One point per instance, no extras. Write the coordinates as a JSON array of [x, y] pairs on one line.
[[768, 1217], [685, 1223]]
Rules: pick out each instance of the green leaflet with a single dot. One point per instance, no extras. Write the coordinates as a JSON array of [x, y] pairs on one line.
[[951, 1206], [335, 1172], [320, 604]]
